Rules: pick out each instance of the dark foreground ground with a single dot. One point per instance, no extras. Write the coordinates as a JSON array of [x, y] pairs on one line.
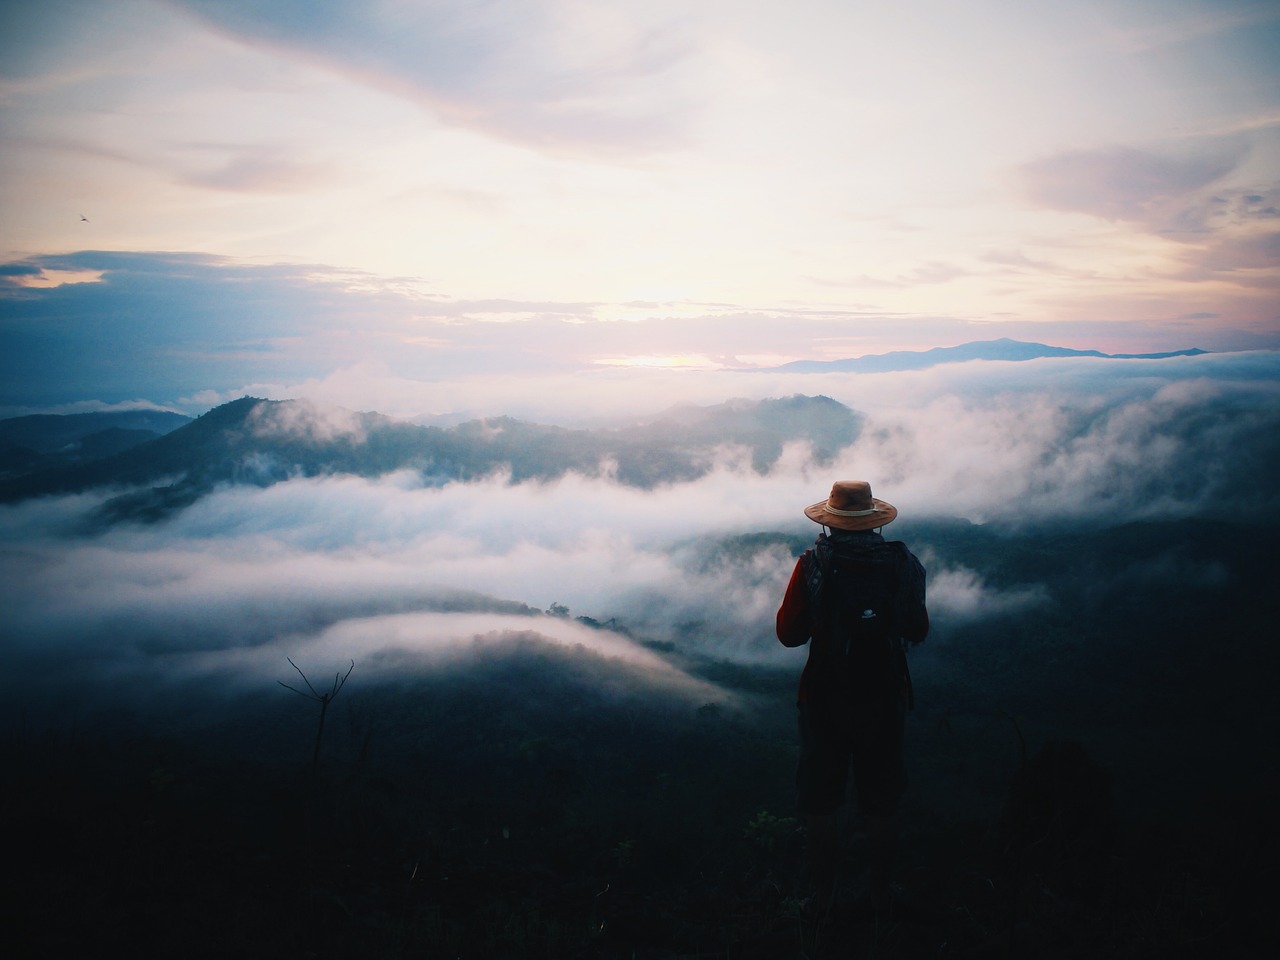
[[1098, 784], [490, 832]]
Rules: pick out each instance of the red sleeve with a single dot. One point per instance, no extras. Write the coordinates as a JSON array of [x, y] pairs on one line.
[[794, 626]]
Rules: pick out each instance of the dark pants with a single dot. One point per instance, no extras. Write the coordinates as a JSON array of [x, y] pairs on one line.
[[865, 736]]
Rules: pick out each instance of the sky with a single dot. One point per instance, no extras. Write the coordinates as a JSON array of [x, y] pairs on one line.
[[407, 206]]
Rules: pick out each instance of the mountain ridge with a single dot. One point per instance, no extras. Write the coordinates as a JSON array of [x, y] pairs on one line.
[[45, 441], [1004, 348], [259, 442]]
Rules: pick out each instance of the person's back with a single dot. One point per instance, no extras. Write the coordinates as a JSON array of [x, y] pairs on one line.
[[858, 600]]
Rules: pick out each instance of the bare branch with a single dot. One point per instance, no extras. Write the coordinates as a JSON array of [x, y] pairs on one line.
[[339, 684], [324, 699], [295, 690], [303, 676]]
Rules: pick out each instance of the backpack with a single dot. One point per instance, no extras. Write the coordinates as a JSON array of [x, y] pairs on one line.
[[862, 592]]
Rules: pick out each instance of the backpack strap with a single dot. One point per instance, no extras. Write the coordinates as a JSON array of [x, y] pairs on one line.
[[817, 565]]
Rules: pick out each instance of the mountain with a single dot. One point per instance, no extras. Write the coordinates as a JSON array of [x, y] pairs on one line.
[[261, 442], [43, 441], [48, 433], [1002, 349], [685, 433]]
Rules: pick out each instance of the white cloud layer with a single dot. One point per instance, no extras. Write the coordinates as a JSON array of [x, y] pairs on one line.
[[338, 568]]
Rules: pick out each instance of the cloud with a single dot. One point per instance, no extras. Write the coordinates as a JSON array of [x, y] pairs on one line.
[[1259, 206], [89, 406], [1181, 28], [1258, 254], [1203, 194], [1196, 194], [198, 330], [386, 645], [20, 271], [265, 171], [929, 272], [154, 323], [965, 439], [561, 77], [958, 594], [1019, 262], [305, 420], [411, 578], [394, 576], [1167, 449], [1126, 183]]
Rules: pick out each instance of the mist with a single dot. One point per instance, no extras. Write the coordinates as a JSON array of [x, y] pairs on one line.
[[569, 686], [331, 569]]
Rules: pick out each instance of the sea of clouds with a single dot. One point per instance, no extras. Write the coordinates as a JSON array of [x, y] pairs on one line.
[[329, 570]]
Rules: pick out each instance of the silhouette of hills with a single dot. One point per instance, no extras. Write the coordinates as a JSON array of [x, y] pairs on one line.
[[43, 441], [176, 459], [261, 442], [1001, 349]]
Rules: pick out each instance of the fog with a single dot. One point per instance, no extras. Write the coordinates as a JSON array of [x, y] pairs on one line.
[[610, 394], [398, 575]]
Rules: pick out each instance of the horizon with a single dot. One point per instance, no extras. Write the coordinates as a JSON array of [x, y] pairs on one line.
[[630, 396], [88, 406]]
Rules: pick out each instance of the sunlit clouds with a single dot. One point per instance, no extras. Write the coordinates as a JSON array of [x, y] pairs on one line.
[[671, 363], [1024, 165]]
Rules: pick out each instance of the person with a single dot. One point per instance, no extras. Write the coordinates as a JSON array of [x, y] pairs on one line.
[[855, 689]]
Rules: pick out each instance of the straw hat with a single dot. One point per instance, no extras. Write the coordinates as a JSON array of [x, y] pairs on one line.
[[851, 507]]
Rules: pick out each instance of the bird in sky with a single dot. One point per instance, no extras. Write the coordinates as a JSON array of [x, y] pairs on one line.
[[84, 218]]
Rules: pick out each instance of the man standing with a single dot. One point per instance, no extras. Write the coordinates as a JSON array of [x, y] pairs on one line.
[[861, 600]]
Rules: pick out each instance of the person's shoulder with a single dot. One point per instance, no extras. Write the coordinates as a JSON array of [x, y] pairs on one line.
[[898, 545], [904, 553]]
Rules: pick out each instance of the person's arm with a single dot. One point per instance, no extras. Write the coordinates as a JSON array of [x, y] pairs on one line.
[[794, 625]]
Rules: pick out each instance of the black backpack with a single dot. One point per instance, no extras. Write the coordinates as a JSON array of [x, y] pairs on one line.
[[861, 591]]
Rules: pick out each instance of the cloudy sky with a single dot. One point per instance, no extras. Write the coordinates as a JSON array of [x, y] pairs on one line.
[[200, 198]]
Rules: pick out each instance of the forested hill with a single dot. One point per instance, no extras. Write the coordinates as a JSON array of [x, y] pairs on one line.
[[47, 441], [261, 442]]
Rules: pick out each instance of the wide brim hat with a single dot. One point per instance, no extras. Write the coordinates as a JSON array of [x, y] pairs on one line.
[[851, 507]]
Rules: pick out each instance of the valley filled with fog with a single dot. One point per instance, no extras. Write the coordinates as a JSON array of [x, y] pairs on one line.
[[279, 558], [1095, 534]]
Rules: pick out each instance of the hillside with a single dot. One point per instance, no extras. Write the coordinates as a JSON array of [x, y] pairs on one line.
[[532, 799], [49, 441], [261, 442]]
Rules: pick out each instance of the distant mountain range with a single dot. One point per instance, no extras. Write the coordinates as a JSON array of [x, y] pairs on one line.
[[1002, 349], [47, 441], [261, 442], [164, 461]]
